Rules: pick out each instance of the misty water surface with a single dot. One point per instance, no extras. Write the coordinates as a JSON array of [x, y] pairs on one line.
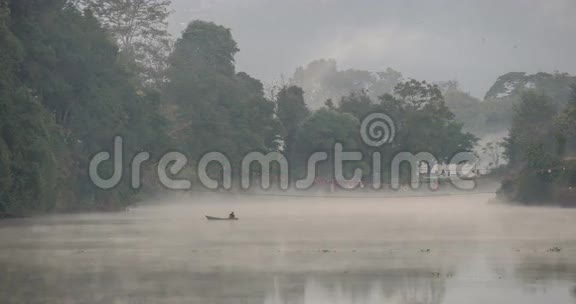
[[458, 249]]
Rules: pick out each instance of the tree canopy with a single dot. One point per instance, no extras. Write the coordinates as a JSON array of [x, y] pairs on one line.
[[65, 97]]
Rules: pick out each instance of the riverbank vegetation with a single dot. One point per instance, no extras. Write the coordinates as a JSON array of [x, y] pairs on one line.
[[74, 74], [540, 148]]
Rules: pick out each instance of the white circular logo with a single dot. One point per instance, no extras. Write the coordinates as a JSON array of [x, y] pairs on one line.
[[377, 129]]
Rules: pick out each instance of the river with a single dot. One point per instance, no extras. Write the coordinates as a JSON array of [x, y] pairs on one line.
[[452, 250]]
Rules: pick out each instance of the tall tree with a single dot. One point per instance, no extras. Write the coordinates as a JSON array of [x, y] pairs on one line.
[[424, 122], [533, 149], [140, 27], [216, 109], [532, 143], [291, 112]]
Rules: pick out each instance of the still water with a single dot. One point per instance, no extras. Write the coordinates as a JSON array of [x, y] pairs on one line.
[[457, 249]]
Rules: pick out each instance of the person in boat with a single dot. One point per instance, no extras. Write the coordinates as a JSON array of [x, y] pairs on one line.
[[232, 216]]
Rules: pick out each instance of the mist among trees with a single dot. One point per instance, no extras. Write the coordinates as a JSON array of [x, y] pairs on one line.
[[74, 74]]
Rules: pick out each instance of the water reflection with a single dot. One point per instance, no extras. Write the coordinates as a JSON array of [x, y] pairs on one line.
[[421, 288], [534, 270], [524, 273], [366, 289], [413, 252], [545, 272]]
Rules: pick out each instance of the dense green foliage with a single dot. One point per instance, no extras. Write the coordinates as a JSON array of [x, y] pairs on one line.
[[540, 147], [423, 123], [63, 98], [217, 108], [532, 142], [29, 137]]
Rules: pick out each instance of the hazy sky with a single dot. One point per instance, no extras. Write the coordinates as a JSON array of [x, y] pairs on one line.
[[472, 41]]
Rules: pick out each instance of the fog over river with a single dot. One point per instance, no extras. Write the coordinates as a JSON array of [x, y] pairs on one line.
[[445, 249]]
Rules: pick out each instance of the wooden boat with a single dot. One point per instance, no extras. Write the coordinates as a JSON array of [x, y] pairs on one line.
[[213, 218]]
